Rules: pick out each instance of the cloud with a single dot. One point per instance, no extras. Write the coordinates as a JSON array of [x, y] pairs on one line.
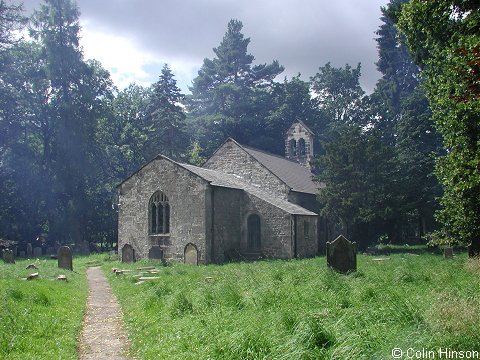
[[134, 38]]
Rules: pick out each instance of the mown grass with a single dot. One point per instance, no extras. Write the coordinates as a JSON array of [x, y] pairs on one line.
[[41, 318], [299, 309]]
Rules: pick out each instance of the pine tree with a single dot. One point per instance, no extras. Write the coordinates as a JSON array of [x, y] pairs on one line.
[[230, 95], [166, 117]]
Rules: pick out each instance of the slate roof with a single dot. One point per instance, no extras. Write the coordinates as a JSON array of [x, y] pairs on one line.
[[294, 175], [217, 178]]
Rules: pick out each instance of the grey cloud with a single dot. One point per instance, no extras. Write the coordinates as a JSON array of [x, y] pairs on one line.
[[301, 34]]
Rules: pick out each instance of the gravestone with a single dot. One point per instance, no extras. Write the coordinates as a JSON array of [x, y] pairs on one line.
[[191, 254], [448, 252], [473, 250], [29, 249], [342, 255], [8, 257], [37, 251], [155, 253], [64, 256], [21, 253], [128, 253]]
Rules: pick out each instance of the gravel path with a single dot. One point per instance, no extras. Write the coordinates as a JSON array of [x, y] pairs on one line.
[[102, 335]]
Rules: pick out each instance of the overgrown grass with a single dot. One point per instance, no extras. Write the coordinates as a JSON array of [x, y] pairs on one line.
[[41, 318], [299, 309]]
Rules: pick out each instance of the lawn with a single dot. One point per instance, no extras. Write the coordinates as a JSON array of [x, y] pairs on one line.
[[41, 318], [299, 309]]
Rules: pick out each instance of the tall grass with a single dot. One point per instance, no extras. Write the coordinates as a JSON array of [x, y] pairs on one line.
[[41, 318], [299, 309]]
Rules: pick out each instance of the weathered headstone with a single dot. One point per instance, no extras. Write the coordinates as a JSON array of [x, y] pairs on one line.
[[29, 249], [8, 257], [82, 248], [155, 253], [342, 255], [37, 251], [473, 250], [191, 254], [64, 256], [448, 252], [21, 254], [128, 253]]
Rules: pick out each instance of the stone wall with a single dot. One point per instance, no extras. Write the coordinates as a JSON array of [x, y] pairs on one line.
[[232, 159], [296, 132], [307, 244], [276, 234], [189, 204], [227, 221]]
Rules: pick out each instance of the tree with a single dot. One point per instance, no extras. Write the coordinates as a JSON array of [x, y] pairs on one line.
[[339, 94], [356, 170], [400, 112], [166, 117], [11, 20], [291, 101], [73, 97], [443, 39], [230, 95]]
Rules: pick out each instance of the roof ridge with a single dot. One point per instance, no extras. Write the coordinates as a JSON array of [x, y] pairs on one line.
[[271, 154]]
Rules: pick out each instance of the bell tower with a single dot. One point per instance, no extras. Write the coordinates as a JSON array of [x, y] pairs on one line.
[[299, 144]]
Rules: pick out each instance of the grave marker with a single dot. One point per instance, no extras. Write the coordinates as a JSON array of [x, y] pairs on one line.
[[128, 253], [342, 255], [64, 256], [37, 251], [155, 253], [448, 252], [191, 254], [8, 257]]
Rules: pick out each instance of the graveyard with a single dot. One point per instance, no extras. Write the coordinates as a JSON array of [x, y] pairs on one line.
[[275, 309]]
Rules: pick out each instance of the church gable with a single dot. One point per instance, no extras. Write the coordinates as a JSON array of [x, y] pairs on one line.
[[299, 144], [163, 205], [232, 158]]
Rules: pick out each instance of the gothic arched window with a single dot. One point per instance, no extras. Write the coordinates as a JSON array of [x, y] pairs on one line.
[[301, 147], [159, 214], [292, 144], [254, 232]]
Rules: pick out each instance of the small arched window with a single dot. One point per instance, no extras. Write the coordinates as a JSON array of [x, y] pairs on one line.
[[301, 147], [292, 144], [159, 214], [254, 232]]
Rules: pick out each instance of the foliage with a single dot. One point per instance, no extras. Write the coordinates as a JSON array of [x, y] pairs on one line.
[[308, 311], [230, 95], [442, 38], [166, 117], [357, 172]]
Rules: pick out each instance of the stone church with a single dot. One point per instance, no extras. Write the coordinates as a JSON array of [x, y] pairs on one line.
[[243, 203]]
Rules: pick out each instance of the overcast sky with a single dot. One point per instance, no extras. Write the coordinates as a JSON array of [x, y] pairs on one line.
[[134, 38]]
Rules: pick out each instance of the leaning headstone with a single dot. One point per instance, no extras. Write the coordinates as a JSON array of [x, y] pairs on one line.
[[155, 253], [37, 251], [448, 252], [342, 255], [8, 257], [191, 254], [64, 256], [29, 249], [128, 253]]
